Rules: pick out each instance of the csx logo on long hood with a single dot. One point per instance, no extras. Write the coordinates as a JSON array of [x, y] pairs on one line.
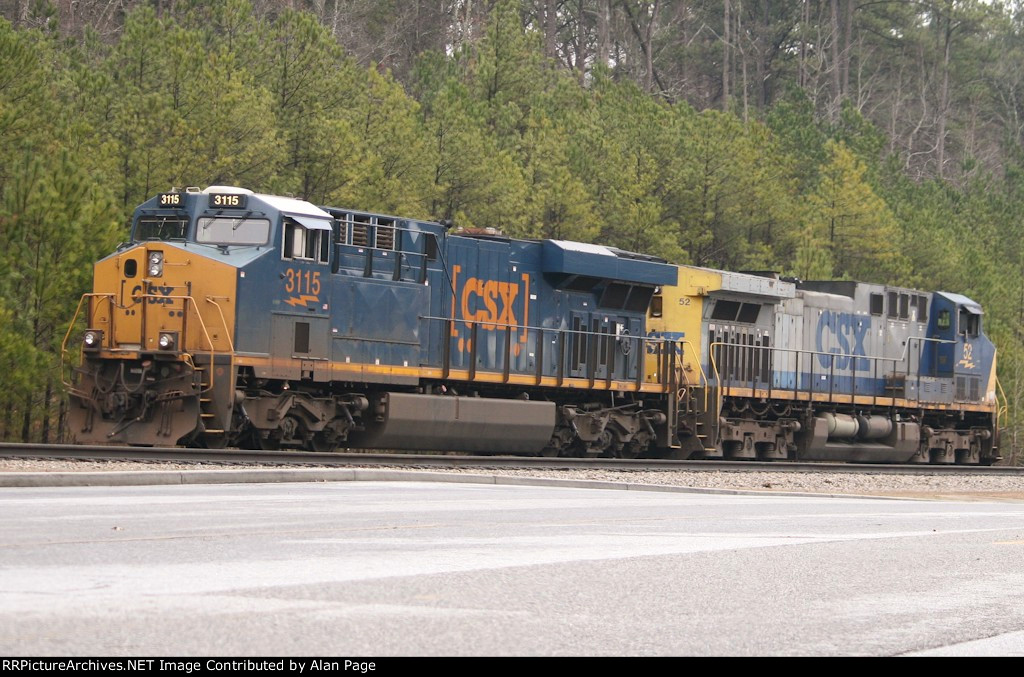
[[849, 331], [493, 304]]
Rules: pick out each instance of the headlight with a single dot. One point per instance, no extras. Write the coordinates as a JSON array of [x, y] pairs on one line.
[[156, 264], [93, 339], [167, 340]]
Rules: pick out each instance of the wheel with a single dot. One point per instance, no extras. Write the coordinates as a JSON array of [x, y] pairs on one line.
[[214, 440], [271, 442], [628, 451], [323, 442]]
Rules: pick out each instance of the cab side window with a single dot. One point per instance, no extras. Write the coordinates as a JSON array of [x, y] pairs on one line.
[[306, 244], [970, 324]]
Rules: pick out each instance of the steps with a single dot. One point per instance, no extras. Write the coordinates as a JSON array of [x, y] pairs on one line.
[[206, 412], [690, 408]]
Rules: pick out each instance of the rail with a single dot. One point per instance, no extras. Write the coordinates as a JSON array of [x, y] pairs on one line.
[[447, 459]]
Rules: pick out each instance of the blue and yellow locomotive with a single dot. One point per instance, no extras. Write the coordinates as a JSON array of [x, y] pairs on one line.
[[265, 321]]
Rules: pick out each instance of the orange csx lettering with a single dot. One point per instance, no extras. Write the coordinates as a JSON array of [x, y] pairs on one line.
[[477, 293]]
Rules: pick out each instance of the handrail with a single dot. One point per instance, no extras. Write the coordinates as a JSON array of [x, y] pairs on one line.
[[884, 358], [447, 324], [876, 359], [712, 353], [223, 321], [71, 327], [1004, 407], [718, 380], [363, 247], [501, 325], [187, 300], [202, 325], [703, 381]]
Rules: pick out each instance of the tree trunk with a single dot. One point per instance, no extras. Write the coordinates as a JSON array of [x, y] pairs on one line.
[[726, 48], [550, 28], [47, 401], [743, 57], [26, 426], [8, 420], [645, 35], [762, 50], [847, 39], [581, 41], [62, 421], [940, 142], [603, 32], [837, 94], [648, 47], [806, 21]]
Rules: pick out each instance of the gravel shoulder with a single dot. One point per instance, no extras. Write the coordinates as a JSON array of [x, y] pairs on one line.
[[980, 488]]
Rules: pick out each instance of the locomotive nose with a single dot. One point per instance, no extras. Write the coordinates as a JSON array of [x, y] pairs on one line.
[[149, 351], [151, 298]]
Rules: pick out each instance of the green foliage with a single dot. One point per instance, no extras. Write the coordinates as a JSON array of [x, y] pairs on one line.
[[495, 134], [56, 221], [25, 94], [475, 182], [799, 136], [856, 225], [733, 191]]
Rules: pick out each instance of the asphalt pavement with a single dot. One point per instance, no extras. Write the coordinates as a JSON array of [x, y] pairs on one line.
[[410, 568]]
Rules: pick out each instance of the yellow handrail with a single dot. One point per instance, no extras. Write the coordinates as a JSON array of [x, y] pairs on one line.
[[700, 367], [224, 322], [71, 327], [1001, 408], [187, 300]]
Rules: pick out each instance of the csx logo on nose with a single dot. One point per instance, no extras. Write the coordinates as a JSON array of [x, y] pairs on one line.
[[153, 289], [480, 301]]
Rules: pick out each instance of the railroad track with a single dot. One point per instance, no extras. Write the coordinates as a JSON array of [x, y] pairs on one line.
[[304, 458]]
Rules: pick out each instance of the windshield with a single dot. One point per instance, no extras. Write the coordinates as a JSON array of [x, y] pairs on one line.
[[161, 228], [232, 230]]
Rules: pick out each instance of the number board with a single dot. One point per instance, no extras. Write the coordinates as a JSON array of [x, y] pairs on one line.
[[172, 200], [227, 200]]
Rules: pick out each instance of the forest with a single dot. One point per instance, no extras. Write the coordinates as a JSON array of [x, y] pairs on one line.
[[877, 140]]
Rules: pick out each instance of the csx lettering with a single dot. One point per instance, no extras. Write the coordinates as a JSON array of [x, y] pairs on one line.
[[154, 292], [850, 331], [477, 293]]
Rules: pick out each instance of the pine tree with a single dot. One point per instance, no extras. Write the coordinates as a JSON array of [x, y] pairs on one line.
[[857, 225]]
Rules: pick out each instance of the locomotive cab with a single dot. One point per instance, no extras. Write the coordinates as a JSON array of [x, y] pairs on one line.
[[955, 330]]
